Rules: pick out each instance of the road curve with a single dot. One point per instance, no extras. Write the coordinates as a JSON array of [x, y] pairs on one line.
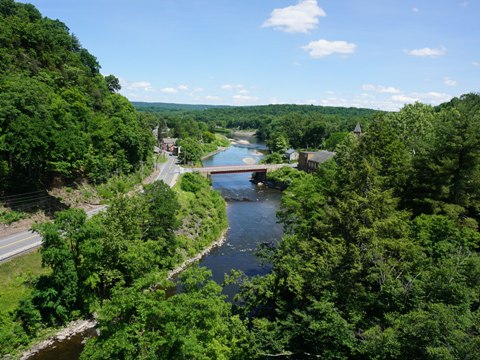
[[24, 241]]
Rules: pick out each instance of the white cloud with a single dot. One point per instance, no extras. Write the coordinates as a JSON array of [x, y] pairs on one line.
[[450, 82], [381, 89], [404, 99], [273, 100], [298, 18], [431, 97], [230, 87], [415, 9], [321, 48], [243, 91], [212, 97], [168, 90], [182, 87], [139, 85], [476, 63], [428, 52], [244, 99]]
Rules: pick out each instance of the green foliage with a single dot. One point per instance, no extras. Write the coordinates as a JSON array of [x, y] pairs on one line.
[[16, 277], [141, 323], [113, 83], [9, 216], [273, 158], [59, 116], [129, 246], [192, 182], [58, 294], [285, 176], [162, 206], [29, 316], [278, 143], [333, 140], [195, 146], [202, 211]]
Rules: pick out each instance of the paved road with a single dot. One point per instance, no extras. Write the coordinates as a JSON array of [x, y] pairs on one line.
[[16, 244], [24, 241], [169, 171]]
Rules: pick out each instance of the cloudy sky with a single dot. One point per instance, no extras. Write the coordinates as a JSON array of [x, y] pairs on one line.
[[369, 53]]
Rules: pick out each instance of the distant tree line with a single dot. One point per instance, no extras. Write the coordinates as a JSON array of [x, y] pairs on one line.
[[281, 126]]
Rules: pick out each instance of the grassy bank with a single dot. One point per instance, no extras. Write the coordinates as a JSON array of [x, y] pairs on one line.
[[16, 279], [202, 212]]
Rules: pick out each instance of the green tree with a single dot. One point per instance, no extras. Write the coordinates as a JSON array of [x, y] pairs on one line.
[[113, 83], [143, 323]]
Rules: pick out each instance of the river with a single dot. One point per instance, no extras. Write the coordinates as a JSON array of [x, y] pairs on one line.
[[251, 214]]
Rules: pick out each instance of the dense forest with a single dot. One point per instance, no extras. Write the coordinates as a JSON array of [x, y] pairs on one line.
[[59, 117], [155, 107], [381, 254]]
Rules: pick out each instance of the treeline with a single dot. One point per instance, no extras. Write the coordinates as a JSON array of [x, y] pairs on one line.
[[381, 254], [59, 117], [156, 107], [94, 263], [281, 126]]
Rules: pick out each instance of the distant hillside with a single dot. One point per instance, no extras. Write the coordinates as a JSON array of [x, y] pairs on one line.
[[165, 107]]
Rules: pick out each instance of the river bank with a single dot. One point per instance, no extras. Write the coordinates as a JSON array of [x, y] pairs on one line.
[[74, 328], [88, 327], [210, 154], [198, 257]]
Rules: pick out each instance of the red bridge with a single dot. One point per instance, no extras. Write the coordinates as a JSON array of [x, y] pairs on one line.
[[232, 169]]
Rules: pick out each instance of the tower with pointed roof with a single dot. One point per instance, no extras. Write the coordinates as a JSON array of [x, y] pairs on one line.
[[358, 130]]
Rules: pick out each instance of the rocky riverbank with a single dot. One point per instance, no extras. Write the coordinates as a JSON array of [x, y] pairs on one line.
[[197, 257], [74, 328]]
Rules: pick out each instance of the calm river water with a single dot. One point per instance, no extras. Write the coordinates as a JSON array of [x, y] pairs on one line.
[[251, 214]]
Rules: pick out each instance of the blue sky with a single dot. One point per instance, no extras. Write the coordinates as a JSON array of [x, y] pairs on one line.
[[372, 53]]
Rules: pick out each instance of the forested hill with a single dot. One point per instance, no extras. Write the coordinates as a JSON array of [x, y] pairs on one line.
[[158, 107], [59, 117], [254, 117]]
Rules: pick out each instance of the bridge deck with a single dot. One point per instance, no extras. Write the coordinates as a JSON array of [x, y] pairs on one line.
[[231, 169]]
